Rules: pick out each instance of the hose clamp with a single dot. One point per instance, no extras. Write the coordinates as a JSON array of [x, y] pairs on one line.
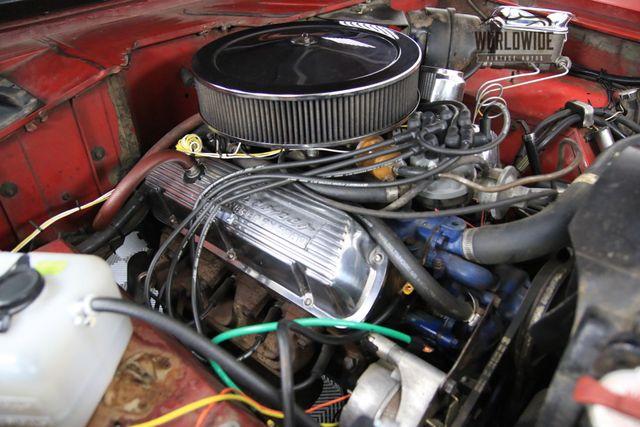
[[467, 244], [83, 313], [475, 315]]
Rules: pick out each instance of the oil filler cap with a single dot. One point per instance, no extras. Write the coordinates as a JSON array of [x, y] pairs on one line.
[[19, 287]]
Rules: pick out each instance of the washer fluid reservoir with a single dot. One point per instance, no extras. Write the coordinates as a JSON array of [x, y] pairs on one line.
[[54, 364]]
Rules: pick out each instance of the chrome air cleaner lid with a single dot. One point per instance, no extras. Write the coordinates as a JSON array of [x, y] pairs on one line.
[[307, 83]]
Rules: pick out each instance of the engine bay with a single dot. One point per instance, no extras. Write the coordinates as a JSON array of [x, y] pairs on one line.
[[370, 219]]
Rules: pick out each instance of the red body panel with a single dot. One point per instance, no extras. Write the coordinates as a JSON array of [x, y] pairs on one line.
[[65, 60]]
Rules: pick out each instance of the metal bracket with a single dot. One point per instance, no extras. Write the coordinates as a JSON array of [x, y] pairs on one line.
[[584, 110], [399, 375]]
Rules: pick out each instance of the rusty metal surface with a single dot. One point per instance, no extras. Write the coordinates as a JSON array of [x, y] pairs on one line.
[[157, 375], [267, 354], [245, 304]]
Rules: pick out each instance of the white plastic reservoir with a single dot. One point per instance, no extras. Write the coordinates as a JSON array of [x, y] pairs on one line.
[[54, 368]]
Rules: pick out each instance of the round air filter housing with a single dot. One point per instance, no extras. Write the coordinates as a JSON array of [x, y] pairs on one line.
[[308, 84]]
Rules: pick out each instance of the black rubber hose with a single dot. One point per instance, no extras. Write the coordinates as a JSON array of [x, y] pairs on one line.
[[628, 123], [528, 139], [527, 238], [136, 205], [464, 210], [413, 272], [471, 71], [326, 352], [286, 373], [602, 75], [201, 345], [560, 127], [541, 233], [549, 120], [357, 195], [635, 127]]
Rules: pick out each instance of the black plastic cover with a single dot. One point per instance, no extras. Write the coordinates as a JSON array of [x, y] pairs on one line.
[[306, 58], [19, 286]]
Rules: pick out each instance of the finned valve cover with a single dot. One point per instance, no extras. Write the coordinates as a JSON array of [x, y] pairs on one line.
[[310, 254]]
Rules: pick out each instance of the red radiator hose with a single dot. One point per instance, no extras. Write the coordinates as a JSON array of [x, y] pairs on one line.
[[171, 138], [128, 184]]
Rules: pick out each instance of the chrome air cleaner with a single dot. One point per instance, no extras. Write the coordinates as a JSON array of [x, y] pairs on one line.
[[308, 84]]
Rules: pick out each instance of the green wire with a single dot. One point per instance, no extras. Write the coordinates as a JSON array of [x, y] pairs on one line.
[[311, 322]]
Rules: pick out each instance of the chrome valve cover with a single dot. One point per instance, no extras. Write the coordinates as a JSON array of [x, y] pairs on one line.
[[314, 256]]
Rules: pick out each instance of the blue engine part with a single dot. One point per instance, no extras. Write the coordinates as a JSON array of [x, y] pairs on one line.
[[439, 242], [514, 284], [435, 330], [460, 270], [442, 239]]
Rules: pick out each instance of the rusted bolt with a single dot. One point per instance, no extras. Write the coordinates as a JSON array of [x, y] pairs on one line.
[[407, 289], [98, 153], [8, 189]]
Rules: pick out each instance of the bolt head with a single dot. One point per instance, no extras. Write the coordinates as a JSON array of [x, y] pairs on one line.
[[8, 189], [98, 153]]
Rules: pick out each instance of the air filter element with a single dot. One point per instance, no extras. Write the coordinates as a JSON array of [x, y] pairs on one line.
[[307, 84]]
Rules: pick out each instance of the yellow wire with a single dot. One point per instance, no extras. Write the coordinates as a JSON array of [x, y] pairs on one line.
[[58, 217], [191, 144], [194, 406]]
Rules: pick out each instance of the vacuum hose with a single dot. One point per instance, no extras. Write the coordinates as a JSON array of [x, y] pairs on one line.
[[413, 272]]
